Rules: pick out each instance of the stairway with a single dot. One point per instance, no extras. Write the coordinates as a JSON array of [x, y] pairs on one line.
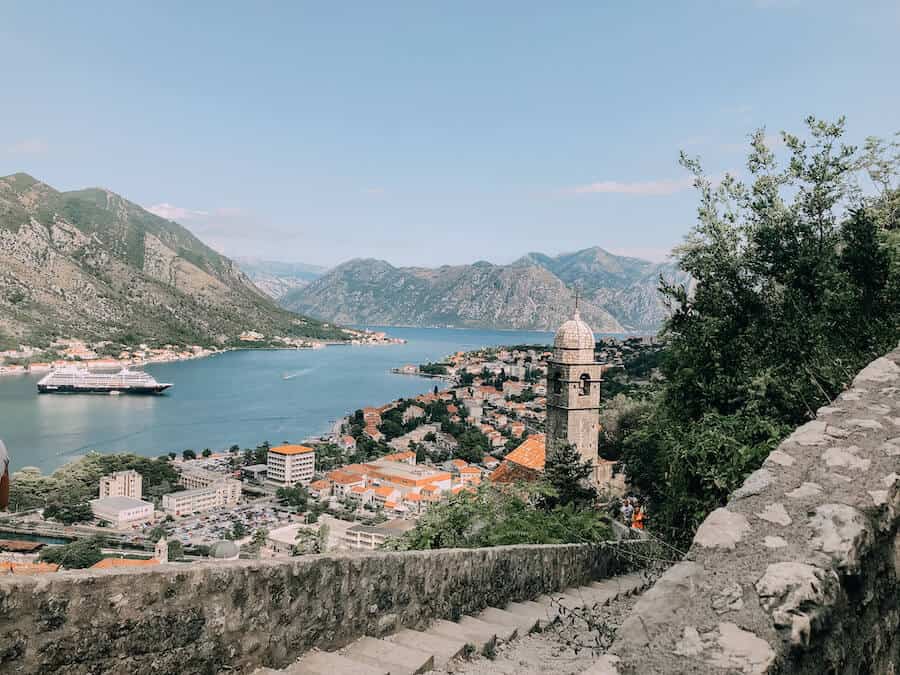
[[409, 652]]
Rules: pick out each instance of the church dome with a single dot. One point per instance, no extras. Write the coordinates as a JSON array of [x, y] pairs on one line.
[[224, 550], [574, 334]]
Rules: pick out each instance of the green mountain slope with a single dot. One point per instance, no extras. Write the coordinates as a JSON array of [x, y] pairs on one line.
[[91, 264]]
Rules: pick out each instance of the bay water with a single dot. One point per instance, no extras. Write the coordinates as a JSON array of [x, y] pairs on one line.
[[241, 397]]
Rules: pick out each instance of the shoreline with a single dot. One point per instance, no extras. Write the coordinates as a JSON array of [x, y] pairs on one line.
[[109, 363]]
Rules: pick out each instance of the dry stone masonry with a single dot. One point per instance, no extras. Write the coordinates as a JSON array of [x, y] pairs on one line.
[[799, 572], [236, 617]]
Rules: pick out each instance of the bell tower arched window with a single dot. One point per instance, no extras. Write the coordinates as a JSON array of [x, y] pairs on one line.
[[585, 385]]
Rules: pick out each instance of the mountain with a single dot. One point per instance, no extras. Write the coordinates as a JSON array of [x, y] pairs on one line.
[[90, 264], [275, 278], [535, 292]]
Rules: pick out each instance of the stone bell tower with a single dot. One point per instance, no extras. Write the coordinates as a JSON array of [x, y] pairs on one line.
[[573, 391], [161, 551]]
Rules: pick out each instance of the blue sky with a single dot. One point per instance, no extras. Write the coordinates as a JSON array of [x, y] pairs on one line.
[[425, 132]]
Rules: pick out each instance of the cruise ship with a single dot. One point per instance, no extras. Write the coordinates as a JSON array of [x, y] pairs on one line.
[[75, 380]]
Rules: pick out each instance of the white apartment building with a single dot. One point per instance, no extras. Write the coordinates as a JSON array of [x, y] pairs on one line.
[[122, 484], [226, 492], [121, 511], [371, 537], [193, 479], [291, 464]]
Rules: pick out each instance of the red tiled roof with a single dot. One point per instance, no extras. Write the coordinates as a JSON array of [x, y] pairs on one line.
[[110, 563], [344, 478], [531, 453]]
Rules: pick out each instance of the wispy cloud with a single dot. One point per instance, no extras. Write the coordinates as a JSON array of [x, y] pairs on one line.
[[29, 146], [644, 188], [373, 191], [172, 212]]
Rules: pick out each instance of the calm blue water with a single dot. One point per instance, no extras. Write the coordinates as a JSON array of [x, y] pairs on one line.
[[238, 397]]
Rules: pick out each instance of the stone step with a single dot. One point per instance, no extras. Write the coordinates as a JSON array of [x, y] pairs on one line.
[[523, 624], [479, 638], [330, 663], [445, 649], [394, 658], [503, 632], [587, 596], [631, 583], [533, 610]]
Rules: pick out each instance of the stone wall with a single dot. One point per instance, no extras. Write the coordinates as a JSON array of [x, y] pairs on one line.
[[799, 572], [208, 617]]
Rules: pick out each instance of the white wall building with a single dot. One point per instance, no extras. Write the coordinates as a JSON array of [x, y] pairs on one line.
[[226, 492], [122, 484], [122, 511], [291, 464], [196, 478]]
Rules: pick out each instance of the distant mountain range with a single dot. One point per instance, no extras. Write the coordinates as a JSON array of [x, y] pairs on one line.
[[90, 264], [619, 293], [275, 278]]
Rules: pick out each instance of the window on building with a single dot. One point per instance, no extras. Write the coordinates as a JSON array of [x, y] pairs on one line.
[[557, 384], [585, 384]]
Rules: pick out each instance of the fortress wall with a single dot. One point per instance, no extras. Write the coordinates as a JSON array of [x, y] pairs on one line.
[[209, 617], [800, 572]]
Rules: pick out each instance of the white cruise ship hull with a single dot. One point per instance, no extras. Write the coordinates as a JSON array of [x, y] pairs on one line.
[[74, 380], [101, 389]]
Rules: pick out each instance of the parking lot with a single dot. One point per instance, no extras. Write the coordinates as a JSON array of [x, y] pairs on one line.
[[214, 525]]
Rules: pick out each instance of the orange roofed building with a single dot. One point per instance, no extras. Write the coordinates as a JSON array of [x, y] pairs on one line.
[[27, 568], [114, 563], [291, 464], [526, 462]]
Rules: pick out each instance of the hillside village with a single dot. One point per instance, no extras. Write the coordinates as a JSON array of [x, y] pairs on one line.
[[365, 483]]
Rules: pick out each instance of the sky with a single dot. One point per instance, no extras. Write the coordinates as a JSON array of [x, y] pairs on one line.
[[422, 132]]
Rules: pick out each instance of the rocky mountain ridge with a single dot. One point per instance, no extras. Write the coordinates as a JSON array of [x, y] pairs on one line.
[[618, 294], [276, 279], [91, 264]]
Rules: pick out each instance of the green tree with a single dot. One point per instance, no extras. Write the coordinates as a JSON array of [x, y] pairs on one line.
[[493, 517], [569, 477], [296, 496], [206, 452], [77, 555], [258, 540], [238, 531], [176, 550], [309, 541], [794, 291], [69, 514], [473, 445], [189, 454]]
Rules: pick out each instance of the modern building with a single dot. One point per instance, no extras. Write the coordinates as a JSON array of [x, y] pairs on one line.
[[226, 492], [122, 484], [291, 464], [195, 478], [573, 391], [255, 472], [122, 511], [370, 537]]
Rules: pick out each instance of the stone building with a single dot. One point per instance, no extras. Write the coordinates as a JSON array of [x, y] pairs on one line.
[[573, 391]]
